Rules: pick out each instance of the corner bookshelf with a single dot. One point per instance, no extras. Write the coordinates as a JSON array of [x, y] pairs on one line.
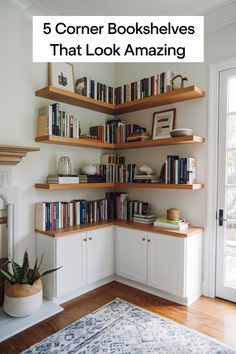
[[64, 96], [96, 144], [56, 186]]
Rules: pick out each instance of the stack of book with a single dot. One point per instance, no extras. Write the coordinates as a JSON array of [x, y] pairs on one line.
[[116, 173], [163, 223], [154, 85], [178, 170], [138, 178], [56, 215], [63, 179], [144, 219], [93, 89], [116, 131], [53, 121]]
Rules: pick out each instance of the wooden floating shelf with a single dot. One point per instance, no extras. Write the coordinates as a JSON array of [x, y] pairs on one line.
[[178, 95], [127, 224], [54, 139], [11, 154], [55, 186], [61, 140], [74, 99]]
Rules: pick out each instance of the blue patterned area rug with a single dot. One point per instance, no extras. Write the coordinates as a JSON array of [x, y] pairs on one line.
[[120, 327]]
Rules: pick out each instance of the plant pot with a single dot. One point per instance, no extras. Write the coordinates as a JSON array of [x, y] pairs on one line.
[[22, 300]]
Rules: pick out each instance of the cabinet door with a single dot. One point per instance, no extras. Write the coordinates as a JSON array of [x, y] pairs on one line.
[[71, 255], [131, 254], [99, 254], [166, 263]]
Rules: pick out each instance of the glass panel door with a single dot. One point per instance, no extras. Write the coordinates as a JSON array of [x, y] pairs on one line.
[[226, 215]]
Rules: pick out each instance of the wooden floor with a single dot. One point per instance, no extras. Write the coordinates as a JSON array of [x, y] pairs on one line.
[[214, 317]]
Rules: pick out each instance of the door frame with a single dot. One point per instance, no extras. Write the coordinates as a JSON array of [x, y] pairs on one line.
[[209, 286]]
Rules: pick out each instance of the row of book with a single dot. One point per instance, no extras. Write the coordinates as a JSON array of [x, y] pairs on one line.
[[116, 173], [93, 89], [150, 86], [178, 170], [53, 121], [115, 131], [56, 215]]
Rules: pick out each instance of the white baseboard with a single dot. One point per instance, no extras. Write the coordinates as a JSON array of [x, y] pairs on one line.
[[86, 289], [163, 294]]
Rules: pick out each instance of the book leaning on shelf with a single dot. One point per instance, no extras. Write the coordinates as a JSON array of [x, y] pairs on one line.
[[53, 121]]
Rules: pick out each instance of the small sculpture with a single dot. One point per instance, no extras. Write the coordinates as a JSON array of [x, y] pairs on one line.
[[183, 79], [62, 79], [146, 169], [89, 170]]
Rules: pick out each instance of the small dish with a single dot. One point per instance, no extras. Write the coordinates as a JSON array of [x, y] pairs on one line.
[[181, 132]]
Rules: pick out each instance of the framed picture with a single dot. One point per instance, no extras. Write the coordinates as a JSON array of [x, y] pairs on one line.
[[61, 75], [163, 123]]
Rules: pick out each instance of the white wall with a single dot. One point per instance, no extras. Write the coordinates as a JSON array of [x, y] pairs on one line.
[[19, 109]]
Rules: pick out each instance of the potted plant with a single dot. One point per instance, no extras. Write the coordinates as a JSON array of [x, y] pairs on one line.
[[23, 287]]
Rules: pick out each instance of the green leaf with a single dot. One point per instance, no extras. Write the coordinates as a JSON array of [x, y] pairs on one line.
[[47, 272], [25, 265], [8, 276], [17, 270]]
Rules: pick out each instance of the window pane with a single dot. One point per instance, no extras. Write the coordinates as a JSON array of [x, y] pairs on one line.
[[230, 271], [232, 94], [231, 131], [230, 203], [230, 244], [231, 167]]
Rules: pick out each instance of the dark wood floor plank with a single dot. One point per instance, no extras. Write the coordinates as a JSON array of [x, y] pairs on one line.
[[214, 317]]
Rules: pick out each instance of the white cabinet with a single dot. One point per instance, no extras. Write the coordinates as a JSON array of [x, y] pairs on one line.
[[85, 258], [131, 254], [71, 255], [99, 254], [166, 263]]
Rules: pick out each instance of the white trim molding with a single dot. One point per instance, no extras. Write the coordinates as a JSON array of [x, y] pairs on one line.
[[212, 166]]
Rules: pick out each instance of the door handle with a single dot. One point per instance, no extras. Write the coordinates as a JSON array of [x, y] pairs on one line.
[[221, 217]]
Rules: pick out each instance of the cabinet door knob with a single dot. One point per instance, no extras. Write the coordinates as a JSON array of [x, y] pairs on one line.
[[149, 240], [90, 238], [85, 239], [143, 239]]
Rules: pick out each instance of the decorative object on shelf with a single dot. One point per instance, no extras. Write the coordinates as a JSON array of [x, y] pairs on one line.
[[64, 166], [173, 214], [146, 169], [181, 132], [23, 287], [182, 80], [89, 170], [163, 123], [61, 75]]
